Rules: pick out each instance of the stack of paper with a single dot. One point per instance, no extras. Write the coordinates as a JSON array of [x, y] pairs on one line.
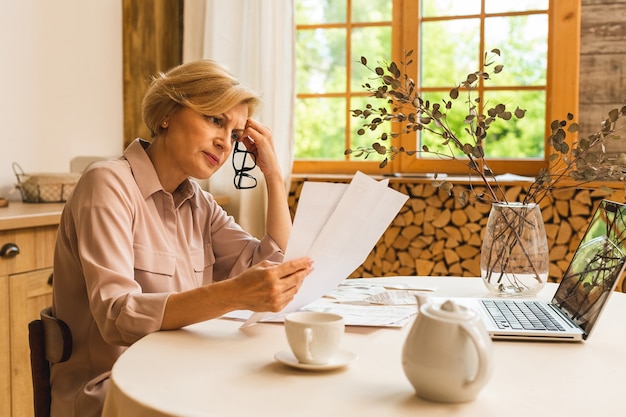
[[337, 225]]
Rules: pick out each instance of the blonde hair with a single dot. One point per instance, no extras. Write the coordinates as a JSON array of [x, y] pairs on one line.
[[204, 86]]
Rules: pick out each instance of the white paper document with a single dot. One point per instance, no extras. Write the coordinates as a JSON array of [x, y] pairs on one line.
[[337, 225], [360, 304]]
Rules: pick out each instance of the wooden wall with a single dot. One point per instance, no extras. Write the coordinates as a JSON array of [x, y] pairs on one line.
[[152, 42], [602, 61]]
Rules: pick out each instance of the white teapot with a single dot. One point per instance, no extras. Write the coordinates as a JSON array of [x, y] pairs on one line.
[[447, 353]]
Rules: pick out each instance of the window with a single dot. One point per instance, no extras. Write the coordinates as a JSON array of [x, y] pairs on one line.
[[449, 39]]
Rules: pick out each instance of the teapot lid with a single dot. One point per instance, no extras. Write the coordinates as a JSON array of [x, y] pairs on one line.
[[450, 310]]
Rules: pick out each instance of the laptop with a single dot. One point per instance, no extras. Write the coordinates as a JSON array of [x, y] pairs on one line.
[[581, 296]]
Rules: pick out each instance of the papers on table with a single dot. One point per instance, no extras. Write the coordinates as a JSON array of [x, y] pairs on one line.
[[360, 304], [368, 304], [337, 225], [370, 315]]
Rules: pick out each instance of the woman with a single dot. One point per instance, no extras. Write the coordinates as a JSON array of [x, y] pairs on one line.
[[141, 248]]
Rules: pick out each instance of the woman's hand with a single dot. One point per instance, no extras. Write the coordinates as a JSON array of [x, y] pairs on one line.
[[258, 139], [267, 286], [270, 286]]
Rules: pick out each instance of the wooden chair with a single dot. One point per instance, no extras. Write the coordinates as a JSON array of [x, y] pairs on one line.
[[50, 342]]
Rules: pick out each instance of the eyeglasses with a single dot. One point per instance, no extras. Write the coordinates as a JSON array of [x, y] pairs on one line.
[[243, 161]]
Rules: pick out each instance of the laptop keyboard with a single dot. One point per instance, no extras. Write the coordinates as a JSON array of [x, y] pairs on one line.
[[518, 314]]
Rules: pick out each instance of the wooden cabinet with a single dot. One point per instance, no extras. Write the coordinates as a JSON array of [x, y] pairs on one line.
[[25, 289], [5, 349]]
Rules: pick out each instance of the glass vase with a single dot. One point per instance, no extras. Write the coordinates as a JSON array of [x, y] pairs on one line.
[[514, 259]]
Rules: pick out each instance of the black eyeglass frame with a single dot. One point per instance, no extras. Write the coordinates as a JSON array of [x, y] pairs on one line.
[[242, 172]]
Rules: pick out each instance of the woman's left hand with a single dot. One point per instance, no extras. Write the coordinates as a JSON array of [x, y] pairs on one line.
[[257, 139]]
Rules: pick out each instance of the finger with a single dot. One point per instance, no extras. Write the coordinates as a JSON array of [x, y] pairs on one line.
[[248, 142], [288, 268], [294, 282], [257, 126], [257, 132]]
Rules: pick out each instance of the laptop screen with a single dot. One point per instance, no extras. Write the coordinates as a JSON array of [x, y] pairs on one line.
[[595, 267]]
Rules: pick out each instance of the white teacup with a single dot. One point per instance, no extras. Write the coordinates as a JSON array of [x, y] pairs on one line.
[[314, 337]]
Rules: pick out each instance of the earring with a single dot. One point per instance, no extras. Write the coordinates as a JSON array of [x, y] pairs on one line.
[[164, 123]]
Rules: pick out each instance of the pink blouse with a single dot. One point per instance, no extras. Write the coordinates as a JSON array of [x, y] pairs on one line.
[[124, 245]]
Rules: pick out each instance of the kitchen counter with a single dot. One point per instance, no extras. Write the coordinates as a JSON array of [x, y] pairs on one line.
[[19, 215]]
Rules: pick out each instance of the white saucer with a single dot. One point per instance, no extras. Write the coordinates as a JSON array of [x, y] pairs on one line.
[[341, 359]]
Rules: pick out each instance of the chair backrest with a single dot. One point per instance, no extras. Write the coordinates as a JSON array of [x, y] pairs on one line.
[[50, 341]]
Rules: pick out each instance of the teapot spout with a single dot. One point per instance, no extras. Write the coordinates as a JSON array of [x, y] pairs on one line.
[[422, 300]]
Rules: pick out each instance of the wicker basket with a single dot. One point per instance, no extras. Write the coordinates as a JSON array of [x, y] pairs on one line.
[[44, 187]]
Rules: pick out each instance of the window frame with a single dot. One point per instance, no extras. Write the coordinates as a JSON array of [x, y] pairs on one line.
[[562, 80]]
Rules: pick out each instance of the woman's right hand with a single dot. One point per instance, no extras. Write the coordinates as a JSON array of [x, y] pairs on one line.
[[269, 286]]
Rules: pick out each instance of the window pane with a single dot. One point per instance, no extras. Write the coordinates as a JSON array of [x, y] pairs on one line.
[[321, 61], [517, 138], [371, 10], [320, 11], [523, 41], [356, 123], [499, 6], [433, 8], [449, 51], [514, 138], [320, 130], [374, 43], [437, 146]]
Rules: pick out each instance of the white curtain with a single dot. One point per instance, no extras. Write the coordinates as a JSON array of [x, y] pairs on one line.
[[255, 39]]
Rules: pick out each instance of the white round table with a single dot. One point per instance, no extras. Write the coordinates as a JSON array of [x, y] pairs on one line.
[[216, 368]]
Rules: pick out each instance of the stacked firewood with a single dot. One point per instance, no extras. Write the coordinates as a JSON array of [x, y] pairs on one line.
[[435, 235]]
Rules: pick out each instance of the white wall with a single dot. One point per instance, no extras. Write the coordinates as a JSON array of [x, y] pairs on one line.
[[60, 84]]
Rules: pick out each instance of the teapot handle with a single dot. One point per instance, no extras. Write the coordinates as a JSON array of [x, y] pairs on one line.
[[484, 366]]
